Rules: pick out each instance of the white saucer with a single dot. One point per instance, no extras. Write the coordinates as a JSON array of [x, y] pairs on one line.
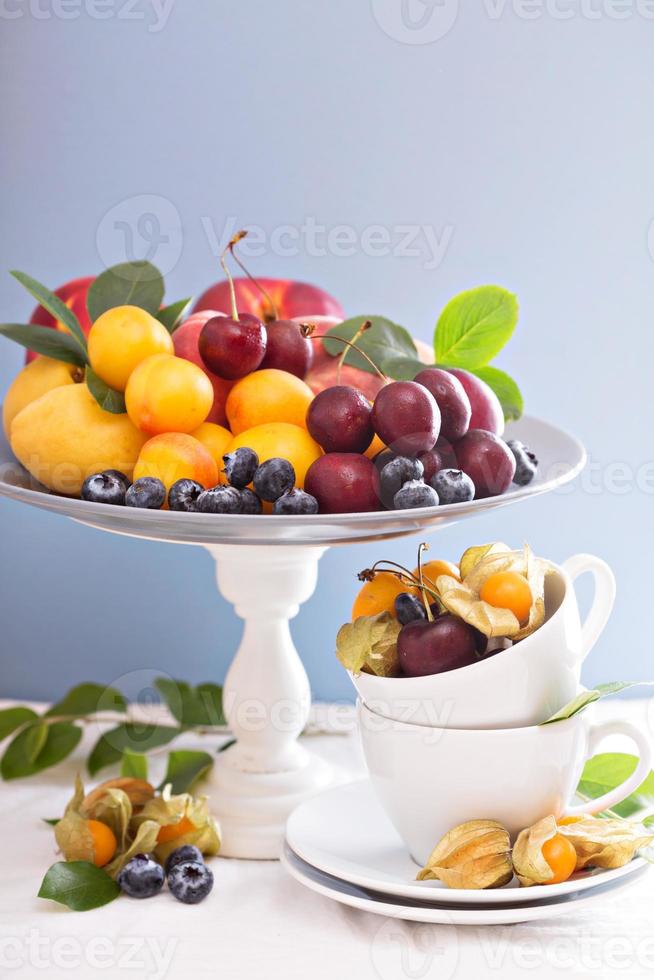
[[414, 911], [345, 834]]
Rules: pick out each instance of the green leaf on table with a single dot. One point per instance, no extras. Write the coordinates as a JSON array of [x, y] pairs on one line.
[[13, 718], [382, 341], [127, 284], [88, 699], [171, 316], [185, 768], [44, 340], [585, 698], [62, 738], [192, 706], [79, 885], [506, 390], [36, 736], [107, 398], [51, 821], [475, 326], [54, 305], [402, 368], [134, 764], [607, 770], [136, 737]]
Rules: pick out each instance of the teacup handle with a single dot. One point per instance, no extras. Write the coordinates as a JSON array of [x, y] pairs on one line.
[[603, 599], [597, 734]]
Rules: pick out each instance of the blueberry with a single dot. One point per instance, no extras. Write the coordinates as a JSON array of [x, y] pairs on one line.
[[295, 502], [141, 877], [250, 503], [409, 608], [220, 500], [187, 852], [382, 458], [240, 466], [526, 462], [453, 486], [415, 493], [183, 495], [147, 492], [396, 473], [190, 881], [103, 488], [273, 478], [119, 476]]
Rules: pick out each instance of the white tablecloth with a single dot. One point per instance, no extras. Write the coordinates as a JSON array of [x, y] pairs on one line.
[[259, 923]]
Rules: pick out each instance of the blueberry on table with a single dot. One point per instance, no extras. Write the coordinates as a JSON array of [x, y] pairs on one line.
[[148, 492], [273, 478], [220, 500], [415, 493], [141, 877], [295, 502], [453, 486], [187, 852], [190, 881], [526, 463], [183, 495], [250, 503], [396, 473], [409, 608], [103, 488], [240, 466]]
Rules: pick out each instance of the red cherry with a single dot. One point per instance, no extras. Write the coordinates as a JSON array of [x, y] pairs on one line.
[[287, 349], [232, 348]]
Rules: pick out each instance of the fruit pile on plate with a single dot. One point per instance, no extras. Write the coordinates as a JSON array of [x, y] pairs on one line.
[[264, 399]]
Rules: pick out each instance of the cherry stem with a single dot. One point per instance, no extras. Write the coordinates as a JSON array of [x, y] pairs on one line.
[[273, 306], [230, 248], [424, 547], [366, 325], [368, 574], [307, 329]]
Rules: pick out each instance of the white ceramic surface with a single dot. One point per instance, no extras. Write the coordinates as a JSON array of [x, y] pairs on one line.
[[345, 833], [397, 908], [561, 457], [524, 684], [429, 780]]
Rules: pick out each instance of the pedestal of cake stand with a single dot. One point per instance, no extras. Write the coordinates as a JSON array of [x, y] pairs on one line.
[[257, 782]]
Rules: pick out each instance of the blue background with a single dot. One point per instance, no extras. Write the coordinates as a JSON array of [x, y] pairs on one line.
[[531, 140]]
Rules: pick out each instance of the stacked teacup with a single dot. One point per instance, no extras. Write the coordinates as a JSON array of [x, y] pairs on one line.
[[470, 743]]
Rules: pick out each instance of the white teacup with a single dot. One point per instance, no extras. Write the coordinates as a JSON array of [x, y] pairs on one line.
[[522, 685], [430, 780]]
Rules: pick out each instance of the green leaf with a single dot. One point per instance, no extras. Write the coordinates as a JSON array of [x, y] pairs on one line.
[[192, 706], [402, 368], [171, 316], [36, 736], [582, 700], [475, 326], [381, 342], [185, 768], [227, 745], [140, 738], [88, 699], [107, 398], [649, 821], [45, 340], [79, 885], [13, 718], [62, 738], [54, 305], [128, 284], [51, 821], [506, 390], [134, 764], [607, 770]]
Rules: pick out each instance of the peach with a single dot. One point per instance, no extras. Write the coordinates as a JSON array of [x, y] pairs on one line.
[[185, 340], [267, 396], [174, 456], [215, 438], [123, 337], [291, 442], [168, 394], [291, 299]]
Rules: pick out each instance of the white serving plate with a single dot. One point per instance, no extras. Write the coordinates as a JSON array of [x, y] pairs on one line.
[[409, 909], [561, 457], [345, 834]]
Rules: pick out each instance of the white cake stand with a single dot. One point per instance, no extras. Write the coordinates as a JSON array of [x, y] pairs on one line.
[[267, 567]]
